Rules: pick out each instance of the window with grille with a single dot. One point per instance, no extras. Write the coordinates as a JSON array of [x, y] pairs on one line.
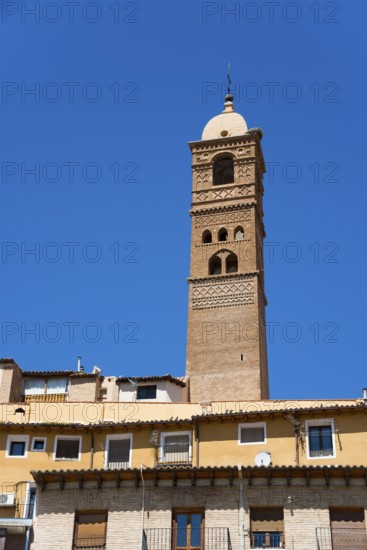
[[252, 434], [267, 527], [176, 448], [118, 452]]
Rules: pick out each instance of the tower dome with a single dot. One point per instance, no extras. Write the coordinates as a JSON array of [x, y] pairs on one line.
[[227, 124]]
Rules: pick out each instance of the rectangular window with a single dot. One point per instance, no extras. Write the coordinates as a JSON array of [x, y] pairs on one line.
[[267, 527], [147, 392], [348, 528], [38, 444], [176, 448], [90, 530], [34, 386], [17, 446], [67, 448], [118, 453], [188, 530], [31, 503], [57, 386], [252, 433], [320, 439], [40, 386]]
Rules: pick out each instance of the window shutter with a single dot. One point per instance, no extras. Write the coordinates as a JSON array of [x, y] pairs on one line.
[[176, 448], [348, 528], [252, 435], [91, 526], [118, 452], [67, 448], [266, 519], [347, 517]]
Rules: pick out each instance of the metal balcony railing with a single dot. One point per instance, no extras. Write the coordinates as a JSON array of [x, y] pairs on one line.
[[90, 543], [341, 538], [210, 538], [177, 453]]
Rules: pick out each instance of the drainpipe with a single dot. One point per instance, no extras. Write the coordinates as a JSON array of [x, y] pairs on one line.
[[241, 511], [142, 509], [196, 431], [27, 537], [91, 448]]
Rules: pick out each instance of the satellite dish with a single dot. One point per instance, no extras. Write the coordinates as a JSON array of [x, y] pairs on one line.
[[263, 459]]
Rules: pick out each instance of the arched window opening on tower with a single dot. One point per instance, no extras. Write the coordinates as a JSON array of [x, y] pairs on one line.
[[207, 237], [215, 265], [239, 233], [223, 170], [231, 263], [222, 235]]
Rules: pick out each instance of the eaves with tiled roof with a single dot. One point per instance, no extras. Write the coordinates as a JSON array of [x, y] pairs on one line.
[[195, 474], [180, 381], [57, 373]]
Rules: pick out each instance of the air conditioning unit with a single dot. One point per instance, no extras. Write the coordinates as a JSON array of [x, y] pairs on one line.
[[7, 499]]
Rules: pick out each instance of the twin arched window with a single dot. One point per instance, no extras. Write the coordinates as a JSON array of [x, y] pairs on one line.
[[223, 170], [229, 259]]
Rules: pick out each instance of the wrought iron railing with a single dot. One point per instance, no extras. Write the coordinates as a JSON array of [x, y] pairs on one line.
[[112, 465], [340, 538], [267, 539], [90, 543], [211, 538], [179, 453]]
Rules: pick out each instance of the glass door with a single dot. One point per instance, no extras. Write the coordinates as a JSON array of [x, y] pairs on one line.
[[188, 531]]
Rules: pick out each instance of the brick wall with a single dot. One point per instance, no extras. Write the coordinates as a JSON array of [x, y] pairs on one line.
[[307, 510], [83, 389]]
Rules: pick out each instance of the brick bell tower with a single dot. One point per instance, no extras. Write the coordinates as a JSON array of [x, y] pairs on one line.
[[226, 345]]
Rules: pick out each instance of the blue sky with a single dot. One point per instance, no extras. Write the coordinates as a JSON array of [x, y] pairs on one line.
[[96, 179]]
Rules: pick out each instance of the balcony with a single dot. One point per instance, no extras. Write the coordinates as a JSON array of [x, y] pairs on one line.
[[45, 398], [267, 539], [341, 538], [209, 538], [91, 543]]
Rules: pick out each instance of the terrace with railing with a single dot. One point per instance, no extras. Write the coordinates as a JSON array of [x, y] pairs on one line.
[[341, 538], [210, 538]]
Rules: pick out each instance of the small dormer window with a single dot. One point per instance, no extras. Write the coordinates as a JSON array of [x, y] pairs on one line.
[[223, 170], [147, 392]]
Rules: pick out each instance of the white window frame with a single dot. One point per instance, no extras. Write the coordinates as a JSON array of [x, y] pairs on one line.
[[30, 485], [58, 437], [321, 422], [252, 425], [114, 437], [13, 438], [44, 439], [161, 443]]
